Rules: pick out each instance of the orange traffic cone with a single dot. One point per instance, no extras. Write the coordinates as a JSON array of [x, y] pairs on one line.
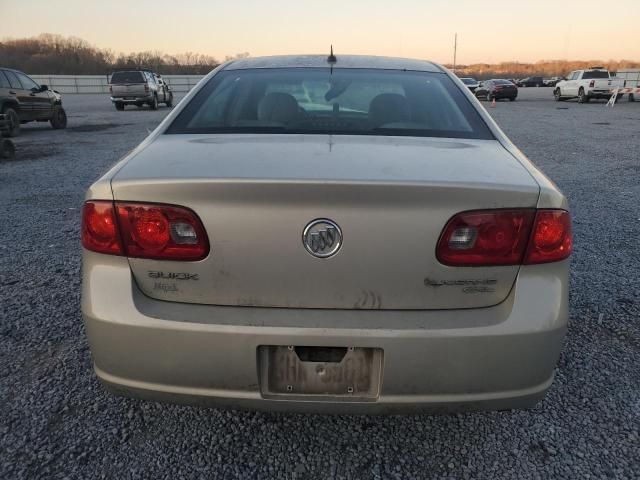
[[493, 103]]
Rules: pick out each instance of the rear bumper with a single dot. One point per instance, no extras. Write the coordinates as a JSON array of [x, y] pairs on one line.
[[127, 100], [491, 358], [600, 93]]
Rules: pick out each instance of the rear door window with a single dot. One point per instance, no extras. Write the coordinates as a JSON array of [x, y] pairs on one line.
[[4, 81], [13, 80]]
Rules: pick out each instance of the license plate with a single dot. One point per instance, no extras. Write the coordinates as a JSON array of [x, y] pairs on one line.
[[348, 372]]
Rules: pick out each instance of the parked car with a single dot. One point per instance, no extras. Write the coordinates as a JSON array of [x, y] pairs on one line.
[[551, 82], [22, 100], [378, 246], [139, 87], [531, 82], [471, 83], [497, 89], [595, 82]]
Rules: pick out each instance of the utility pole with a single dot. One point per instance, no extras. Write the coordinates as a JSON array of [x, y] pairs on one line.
[[455, 51]]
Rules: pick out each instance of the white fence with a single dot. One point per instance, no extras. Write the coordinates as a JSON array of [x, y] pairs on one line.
[[100, 83]]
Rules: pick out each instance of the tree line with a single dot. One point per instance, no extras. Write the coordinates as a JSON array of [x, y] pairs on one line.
[[59, 55], [544, 68]]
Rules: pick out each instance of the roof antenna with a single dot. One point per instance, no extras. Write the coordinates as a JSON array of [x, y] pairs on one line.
[[331, 59]]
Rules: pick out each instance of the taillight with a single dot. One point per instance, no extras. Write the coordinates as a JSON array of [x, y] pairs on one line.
[[505, 237], [146, 88], [111, 88], [592, 83], [492, 237], [551, 238], [100, 228], [163, 232]]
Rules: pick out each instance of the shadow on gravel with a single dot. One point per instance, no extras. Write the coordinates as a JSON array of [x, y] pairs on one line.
[[99, 127], [31, 152]]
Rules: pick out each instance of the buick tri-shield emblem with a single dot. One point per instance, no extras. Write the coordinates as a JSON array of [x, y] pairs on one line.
[[322, 238]]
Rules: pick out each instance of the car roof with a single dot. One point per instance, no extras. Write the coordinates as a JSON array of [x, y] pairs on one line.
[[125, 70], [12, 70], [343, 61]]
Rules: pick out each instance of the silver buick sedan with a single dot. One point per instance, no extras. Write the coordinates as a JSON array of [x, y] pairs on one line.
[[350, 234]]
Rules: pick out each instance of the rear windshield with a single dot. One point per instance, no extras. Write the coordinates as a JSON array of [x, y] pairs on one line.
[[127, 77], [595, 74], [319, 101]]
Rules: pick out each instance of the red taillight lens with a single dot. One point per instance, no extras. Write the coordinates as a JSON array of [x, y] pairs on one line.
[[99, 228], [551, 238], [494, 237], [163, 232], [505, 237]]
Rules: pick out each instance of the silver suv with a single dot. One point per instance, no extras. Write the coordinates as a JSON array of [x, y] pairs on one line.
[[139, 87]]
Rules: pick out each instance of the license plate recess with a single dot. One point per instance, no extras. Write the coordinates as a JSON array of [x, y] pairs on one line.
[[344, 373]]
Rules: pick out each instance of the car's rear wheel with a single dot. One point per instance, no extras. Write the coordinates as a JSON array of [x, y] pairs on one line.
[[154, 103], [119, 106], [59, 118], [169, 102], [512, 99], [582, 96], [13, 126]]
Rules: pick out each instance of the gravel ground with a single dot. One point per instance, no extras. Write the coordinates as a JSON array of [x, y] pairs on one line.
[[57, 422]]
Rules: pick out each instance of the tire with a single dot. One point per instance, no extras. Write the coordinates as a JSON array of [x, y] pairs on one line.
[[169, 102], [512, 99], [557, 95], [139, 105], [582, 96], [154, 103], [631, 98], [119, 106], [14, 122], [59, 118]]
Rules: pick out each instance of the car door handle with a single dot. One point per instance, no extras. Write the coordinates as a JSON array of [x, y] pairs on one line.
[[12, 92]]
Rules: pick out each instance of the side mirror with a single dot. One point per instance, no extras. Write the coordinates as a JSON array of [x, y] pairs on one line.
[[44, 88]]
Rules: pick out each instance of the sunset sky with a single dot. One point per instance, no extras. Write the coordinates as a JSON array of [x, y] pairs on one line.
[[487, 31]]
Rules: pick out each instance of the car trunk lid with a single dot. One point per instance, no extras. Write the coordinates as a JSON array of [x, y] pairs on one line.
[[390, 197]]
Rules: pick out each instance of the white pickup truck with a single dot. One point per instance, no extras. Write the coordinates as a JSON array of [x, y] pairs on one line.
[[584, 85]]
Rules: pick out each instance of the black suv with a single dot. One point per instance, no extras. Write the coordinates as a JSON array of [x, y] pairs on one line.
[[22, 100]]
